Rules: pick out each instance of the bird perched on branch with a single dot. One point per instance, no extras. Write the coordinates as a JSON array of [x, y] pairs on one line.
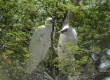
[[39, 45], [67, 35]]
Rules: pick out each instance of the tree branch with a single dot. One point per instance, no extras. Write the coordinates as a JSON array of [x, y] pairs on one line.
[[49, 13], [70, 13]]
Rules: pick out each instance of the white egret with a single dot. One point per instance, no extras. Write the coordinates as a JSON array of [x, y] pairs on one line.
[[67, 34], [39, 45]]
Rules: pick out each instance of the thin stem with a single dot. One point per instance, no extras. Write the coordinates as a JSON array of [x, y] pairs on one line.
[[42, 66]]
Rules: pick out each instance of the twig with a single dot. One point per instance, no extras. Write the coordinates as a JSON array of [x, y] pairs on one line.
[[76, 2], [45, 74], [49, 13], [52, 46], [104, 71]]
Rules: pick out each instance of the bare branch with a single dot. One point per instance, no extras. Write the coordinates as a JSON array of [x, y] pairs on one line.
[[70, 13], [76, 2], [45, 74]]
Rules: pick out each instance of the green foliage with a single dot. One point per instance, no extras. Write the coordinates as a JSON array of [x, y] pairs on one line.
[[19, 19]]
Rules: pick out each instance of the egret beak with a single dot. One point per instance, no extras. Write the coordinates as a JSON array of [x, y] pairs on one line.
[[62, 31], [51, 21]]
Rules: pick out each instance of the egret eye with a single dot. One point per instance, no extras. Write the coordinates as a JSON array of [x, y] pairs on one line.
[[65, 30], [51, 21]]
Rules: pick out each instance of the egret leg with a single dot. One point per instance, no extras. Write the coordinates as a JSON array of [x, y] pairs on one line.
[[42, 67]]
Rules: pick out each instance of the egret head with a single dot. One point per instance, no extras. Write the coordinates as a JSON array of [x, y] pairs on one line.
[[66, 30], [49, 21]]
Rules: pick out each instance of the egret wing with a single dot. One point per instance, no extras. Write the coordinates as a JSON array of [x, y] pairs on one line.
[[61, 46], [39, 46]]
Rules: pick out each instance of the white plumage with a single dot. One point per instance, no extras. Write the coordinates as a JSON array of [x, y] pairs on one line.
[[68, 34], [39, 45]]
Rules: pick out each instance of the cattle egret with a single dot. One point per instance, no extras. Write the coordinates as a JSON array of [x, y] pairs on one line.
[[39, 45], [67, 34]]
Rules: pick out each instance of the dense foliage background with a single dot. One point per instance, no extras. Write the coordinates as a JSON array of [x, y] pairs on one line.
[[20, 18]]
